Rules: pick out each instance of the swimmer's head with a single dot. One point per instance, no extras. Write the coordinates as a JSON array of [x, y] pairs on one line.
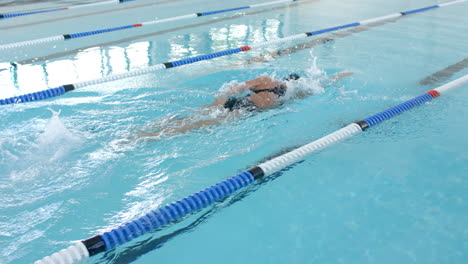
[[292, 76], [280, 90]]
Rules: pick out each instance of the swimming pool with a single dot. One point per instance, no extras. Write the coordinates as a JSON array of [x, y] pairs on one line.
[[395, 193]]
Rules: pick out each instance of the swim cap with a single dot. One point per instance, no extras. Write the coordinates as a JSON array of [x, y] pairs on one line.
[[292, 76]]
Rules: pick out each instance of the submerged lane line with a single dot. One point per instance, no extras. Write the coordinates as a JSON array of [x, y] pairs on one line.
[[445, 73], [304, 45], [115, 42], [87, 14], [177, 210], [313, 43], [53, 92], [70, 36]]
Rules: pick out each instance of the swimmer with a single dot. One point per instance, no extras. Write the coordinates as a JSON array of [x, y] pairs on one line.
[[262, 93]]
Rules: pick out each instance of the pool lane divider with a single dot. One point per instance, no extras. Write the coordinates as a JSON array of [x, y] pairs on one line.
[[12, 15], [177, 210], [136, 25], [123, 39], [57, 91]]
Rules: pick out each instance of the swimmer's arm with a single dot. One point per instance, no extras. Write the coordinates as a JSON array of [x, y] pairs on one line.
[[262, 82], [237, 89], [222, 97], [340, 75], [336, 77]]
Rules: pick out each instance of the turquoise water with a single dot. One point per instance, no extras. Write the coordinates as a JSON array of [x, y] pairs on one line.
[[393, 194]]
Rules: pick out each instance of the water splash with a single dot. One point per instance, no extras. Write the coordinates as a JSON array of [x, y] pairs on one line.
[[52, 145], [312, 81], [57, 140]]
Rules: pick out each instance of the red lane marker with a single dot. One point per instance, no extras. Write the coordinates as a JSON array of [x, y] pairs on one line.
[[434, 93], [245, 48], [137, 25]]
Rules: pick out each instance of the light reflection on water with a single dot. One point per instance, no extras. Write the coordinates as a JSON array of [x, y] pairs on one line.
[[98, 62]]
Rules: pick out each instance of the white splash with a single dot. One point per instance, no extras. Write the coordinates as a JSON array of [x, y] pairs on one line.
[[55, 142], [312, 82]]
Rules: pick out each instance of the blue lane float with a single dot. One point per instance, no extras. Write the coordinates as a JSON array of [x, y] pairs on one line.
[[116, 28], [95, 32], [317, 32], [12, 15], [36, 96], [174, 211], [419, 10], [387, 114], [167, 65], [177, 210], [222, 11]]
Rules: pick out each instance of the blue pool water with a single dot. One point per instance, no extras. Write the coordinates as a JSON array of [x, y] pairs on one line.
[[393, 194]]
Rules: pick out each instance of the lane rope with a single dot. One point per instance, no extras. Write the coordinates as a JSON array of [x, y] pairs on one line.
[[53, 92], [70, 36], [177, 210], [143, 35], [27, 13]]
